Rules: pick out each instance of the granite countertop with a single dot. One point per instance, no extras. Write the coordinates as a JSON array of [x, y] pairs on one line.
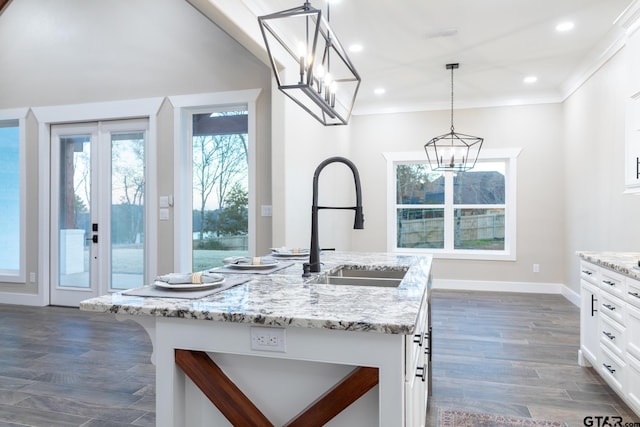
[[285, 298], [622, 262]]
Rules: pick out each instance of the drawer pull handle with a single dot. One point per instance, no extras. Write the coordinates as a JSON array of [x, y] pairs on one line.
[[609, 368], [609, 282], [427, 348], [417, 338], [635, 294], [421, 372], [609, 335], [587, 272], [609, 306]]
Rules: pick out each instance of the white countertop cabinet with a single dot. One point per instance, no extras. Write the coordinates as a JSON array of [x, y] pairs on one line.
[[330, 333], [589, 295], [632, 119], [610, 337]]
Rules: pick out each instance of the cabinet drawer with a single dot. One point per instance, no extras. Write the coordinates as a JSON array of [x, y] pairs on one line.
[[612, 369], [612, 307], [416, 346], [612, 334], [633, 384], [613, 283], [589, 272], [633, 331], [633, 292]]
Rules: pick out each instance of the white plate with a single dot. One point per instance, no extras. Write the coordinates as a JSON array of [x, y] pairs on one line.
[[188, 286], [288, 253], [263, 264]]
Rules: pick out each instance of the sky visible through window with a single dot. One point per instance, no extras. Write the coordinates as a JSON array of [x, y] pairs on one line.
[[9, 197]]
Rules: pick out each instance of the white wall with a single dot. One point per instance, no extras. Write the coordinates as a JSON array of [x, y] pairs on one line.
[[598, 216], [55, 52], [537, 130]]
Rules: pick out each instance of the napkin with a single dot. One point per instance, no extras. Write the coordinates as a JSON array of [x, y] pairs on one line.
[[197, 278]]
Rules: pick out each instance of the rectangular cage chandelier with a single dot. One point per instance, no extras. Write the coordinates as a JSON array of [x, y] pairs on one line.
[[310, 65]]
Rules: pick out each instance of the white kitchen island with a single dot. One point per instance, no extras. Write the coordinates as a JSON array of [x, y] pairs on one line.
[[332, 354]]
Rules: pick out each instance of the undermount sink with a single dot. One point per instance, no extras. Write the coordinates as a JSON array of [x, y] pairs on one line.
[[357, 276]]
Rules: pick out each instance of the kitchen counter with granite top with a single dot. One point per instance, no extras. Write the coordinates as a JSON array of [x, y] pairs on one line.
[[286, 299], [621, 262], [356, 355]]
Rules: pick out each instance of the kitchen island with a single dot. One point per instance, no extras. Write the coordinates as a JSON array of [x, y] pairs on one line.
[[610, 320], [281, 349]]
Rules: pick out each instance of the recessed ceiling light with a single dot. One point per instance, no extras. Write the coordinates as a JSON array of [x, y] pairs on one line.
[[379, 91], [564, 26], [355, 47], [530, 79]]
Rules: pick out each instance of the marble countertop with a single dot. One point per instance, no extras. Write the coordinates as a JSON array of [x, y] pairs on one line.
[[622, 262], [285, 298]]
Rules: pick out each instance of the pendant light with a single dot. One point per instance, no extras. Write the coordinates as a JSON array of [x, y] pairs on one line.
[[453, 151], [310, 65]]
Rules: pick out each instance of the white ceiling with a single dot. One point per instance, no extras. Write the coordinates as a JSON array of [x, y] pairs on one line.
[[497, 43]]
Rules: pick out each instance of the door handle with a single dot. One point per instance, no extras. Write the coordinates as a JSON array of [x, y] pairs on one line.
[[93, 238]]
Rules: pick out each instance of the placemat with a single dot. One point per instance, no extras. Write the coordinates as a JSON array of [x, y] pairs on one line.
[[270, 270], [152, 291]]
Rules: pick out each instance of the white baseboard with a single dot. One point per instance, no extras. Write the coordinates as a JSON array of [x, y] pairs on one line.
[[493, 286], [21, 299]]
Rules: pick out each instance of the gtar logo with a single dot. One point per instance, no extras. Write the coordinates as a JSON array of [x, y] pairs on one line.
[[603, 421]]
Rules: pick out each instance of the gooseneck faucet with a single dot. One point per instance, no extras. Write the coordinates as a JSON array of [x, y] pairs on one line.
[[314, 252]]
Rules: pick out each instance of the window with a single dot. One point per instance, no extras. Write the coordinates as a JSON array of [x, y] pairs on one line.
[[454, 215], [215, 189], [11, 202], [220, 171]]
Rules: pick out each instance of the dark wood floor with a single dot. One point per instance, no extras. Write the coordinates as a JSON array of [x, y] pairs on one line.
[[514, 354], [511, 354]]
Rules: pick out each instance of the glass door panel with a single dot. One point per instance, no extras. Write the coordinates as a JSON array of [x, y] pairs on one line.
[[74, 216], [127, 209]]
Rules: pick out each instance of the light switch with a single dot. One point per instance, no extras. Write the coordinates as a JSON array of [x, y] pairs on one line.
[[266, 210], [164, 214], [164, 202]]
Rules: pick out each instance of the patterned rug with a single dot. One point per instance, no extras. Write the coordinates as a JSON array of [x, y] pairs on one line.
[[457, 418]]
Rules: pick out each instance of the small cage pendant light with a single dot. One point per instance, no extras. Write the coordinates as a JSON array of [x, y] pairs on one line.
[[453, 151]]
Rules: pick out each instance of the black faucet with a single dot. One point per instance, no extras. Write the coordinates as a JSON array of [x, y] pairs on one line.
[[313, 266]]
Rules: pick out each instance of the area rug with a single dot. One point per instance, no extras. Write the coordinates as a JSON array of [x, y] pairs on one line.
[[458, 418]]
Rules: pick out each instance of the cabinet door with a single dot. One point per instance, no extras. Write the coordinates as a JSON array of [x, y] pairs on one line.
[[633, 331], [633, 391], [589, 337], [632, 145]]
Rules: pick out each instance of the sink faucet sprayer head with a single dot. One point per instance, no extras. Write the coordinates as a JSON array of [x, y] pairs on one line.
[[358, 223]]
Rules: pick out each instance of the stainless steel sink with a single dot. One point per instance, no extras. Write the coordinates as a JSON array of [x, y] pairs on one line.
[[357, 276]]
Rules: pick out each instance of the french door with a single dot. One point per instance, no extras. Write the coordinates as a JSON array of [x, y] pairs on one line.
[[97, 209]]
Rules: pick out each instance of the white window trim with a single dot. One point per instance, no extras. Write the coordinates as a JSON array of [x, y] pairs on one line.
[[509, 252], [147, 107], [184, 107], [19, 114]]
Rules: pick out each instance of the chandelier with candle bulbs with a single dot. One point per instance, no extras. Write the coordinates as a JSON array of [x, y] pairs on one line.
[[310, 65]]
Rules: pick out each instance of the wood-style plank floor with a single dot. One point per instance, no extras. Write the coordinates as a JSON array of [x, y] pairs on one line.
[[512, 354]]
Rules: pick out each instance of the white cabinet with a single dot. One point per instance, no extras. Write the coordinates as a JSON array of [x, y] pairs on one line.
[[418, 369], [633, 344], [589, 294], [632, 145], [589, 344], [629, 21], [610, 329]]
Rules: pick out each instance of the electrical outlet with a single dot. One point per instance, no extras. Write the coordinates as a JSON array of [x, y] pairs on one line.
[[536, 268], [268, 339]]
